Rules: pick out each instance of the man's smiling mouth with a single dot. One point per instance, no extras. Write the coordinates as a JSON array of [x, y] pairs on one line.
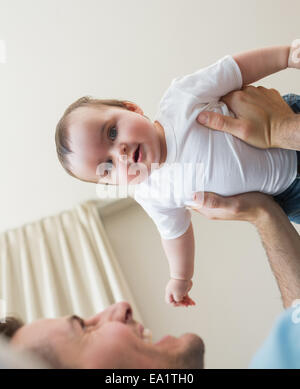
[[147, 335]]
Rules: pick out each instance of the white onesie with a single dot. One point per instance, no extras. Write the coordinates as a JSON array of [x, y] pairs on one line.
[[199, 158]]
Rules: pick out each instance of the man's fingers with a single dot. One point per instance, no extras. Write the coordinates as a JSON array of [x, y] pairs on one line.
[[219, 122]]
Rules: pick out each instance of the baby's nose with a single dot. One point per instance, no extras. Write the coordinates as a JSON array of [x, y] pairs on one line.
[[123, 148], [123, 152]]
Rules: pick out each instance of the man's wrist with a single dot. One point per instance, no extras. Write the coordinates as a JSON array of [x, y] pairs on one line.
[[265, 213], [282, 131], [277, 128]]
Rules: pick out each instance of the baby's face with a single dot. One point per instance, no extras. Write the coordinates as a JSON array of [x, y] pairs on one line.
[[113, 138]]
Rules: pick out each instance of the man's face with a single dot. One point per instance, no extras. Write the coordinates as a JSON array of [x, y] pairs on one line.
[[111, 137], [111, 339]]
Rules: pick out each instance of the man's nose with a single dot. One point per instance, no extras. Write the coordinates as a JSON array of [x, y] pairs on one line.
[[121, 312]]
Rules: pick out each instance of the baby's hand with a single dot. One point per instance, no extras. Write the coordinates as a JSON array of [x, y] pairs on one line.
[[294, 57], [177, 293]]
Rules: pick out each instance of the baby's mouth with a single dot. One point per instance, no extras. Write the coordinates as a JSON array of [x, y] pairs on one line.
[[136, 154]]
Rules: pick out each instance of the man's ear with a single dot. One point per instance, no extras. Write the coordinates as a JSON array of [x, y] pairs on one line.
[[133, 107]]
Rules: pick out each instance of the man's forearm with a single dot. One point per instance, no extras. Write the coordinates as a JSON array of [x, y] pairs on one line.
[[286, 133], [282, 244]]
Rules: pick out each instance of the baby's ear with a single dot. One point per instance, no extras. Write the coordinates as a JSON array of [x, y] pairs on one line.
[[133, 107]]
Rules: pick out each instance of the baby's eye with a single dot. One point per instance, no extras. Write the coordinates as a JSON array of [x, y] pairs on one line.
[[112, 133]]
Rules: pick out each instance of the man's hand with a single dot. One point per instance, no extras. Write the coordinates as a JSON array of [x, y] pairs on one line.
[[246, 207], [177, 293], [260, 113]]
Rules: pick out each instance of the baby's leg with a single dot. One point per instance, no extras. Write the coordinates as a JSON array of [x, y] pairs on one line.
[[289, 200]]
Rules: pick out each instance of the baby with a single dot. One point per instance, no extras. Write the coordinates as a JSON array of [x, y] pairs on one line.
[[171, 158]]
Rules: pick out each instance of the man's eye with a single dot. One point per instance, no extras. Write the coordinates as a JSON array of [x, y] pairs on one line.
[[112, 133], [110, 162], [79, 320]]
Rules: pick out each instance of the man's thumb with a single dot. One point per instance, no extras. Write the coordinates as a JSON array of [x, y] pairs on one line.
[[216, 121], [212, 200]]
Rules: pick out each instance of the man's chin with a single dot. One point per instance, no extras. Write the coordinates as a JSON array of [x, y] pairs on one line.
[[193, 352], [186, 352], [167, 339]]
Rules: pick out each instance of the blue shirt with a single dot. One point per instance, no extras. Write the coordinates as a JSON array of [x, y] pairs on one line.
[[281, 349]]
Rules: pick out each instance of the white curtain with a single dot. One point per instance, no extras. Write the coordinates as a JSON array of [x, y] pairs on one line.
[[61, 265]]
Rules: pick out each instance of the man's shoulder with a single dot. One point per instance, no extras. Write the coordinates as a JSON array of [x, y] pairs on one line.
[[281, 349]]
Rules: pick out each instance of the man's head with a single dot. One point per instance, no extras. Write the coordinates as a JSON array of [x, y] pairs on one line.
[[97, 141], [110, 339]]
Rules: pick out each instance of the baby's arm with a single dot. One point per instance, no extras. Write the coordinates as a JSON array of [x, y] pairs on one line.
[[180, 253], [260, 63]]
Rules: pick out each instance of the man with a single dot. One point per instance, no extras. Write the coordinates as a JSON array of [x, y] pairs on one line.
[[113, 339], [110, 339]]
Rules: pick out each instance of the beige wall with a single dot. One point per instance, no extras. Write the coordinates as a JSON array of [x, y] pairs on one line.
[[59, 50]]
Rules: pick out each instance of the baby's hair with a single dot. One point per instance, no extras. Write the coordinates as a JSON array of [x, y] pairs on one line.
[[62, 138]]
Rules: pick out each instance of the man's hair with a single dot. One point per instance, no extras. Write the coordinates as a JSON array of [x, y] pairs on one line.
[[45, 352], [9, 326], [62, 138]]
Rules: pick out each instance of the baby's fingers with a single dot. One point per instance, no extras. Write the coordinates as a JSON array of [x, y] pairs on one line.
[[169, 298], [187, 301], [175, 303]]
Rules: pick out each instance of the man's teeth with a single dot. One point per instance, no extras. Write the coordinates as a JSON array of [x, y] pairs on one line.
[[147, 335]]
